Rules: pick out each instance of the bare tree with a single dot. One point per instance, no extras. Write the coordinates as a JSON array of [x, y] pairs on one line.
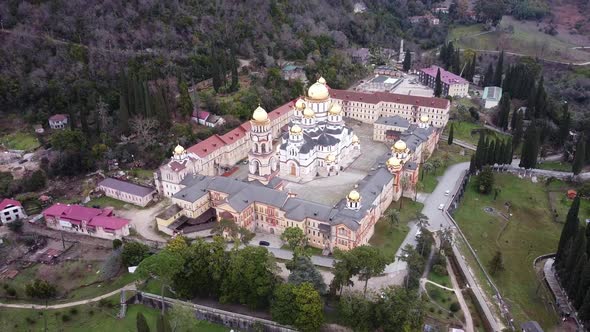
[[146, 129]]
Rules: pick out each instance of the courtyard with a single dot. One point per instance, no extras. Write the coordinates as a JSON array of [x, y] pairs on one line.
[[411, 85], [332, 189]]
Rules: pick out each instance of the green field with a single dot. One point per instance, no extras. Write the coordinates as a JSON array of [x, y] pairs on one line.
[[530, 233], [555, 166], [448, 155], [20, 141], [469, 132], [97, 317], [516, 36], [143, 174], [105, 201], [388, 237]]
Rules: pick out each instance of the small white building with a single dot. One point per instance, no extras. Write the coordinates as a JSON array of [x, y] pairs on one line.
[[491, 96], [58, 121], [11, 210]]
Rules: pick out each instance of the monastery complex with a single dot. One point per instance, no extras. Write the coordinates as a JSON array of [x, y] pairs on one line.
[[301, 141]]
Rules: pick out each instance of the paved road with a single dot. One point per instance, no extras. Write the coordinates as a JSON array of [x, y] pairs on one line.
[[69, 304]]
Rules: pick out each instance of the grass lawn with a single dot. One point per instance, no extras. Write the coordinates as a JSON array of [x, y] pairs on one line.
[[105, 201], [389, 238], [529, 234], [20, 141], [524, 38], [562, 205], [469, 132], [143, 174], [555, 166], [88, 318]]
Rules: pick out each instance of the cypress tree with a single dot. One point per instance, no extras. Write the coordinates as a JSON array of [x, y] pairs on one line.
[[163, 325], [518, 130], [472, 65], [450, 141], [584, 311], [580, 156], [491, 154], [480, 157], [123, 121], [499, 70], [185, 105], [504, 111], [472, 166], [141, 323], [235, 83], [499, 152], [564, 125], [530, 149], [583, 285], [443, 53], [569, 230], [437, 84], [488, 78], [407, 61], [513, 120], [540, 100], [508, 152], [456, 68], [576, 274]]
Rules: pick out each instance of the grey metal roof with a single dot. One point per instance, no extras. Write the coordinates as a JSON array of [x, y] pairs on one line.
[[395, 120], [410, 165], [380, 79], [127, 187], [169, 212], [299, 209]]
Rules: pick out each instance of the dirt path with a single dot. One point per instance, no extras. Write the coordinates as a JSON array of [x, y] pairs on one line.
[[69, 304], [464, 307], [144, 221]]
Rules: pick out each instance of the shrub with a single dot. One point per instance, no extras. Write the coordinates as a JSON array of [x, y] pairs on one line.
[[74, 311], [440, 270], [16, 226], [117, 243], [65, 318], [454, 307], [30, 321], [91, 312], [11, 292]]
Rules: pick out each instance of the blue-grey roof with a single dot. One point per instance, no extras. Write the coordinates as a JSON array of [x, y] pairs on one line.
[[126, 187], [395, 120]]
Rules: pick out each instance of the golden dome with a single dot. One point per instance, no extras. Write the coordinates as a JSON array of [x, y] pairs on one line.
[[318, 91], [300, 104], [308, 113], [354, 196], [400, 145], [335, 109], [322, 80], [393, 162], [178, 150], [296, 129], [260, 115], [331, 158], [355, 139], [424, 118]]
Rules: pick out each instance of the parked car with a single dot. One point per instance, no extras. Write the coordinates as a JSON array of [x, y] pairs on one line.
[[264, 243], [441, 207], [447, 192], [245, 162]]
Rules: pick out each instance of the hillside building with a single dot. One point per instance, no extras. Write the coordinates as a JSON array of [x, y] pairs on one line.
[[452, 85]]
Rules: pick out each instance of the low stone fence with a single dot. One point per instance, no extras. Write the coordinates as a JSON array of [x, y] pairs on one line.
[[213, 315]]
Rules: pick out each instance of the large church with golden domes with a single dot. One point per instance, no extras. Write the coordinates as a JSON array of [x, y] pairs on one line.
[[317, 142]]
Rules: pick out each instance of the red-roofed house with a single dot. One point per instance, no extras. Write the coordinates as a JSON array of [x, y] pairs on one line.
[[58, 121], [452, 85], [11, 210], [207, 119], [89, 221]]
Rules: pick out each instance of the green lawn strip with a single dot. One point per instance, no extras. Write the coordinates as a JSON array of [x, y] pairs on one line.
[[143, 174], [444, 280], [562, 204], [20, 141], [105, 201], [468, 131], [88, 318], [555, 166], [389, 238], [313, 250], [529, 234], [448, 155]]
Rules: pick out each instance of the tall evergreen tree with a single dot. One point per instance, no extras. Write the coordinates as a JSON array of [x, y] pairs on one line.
[[480, 152], [504, 111], [450, 141], [472, 166], [456, 65], [407, 61], [508, 151], [471, 71], [123, 114], [564, 125], [569, 230], [576, 274], [437, 84], [235, 83], [491, 153], [513, 120], [579, 156], [584, 311], [488, 78], [571, 261], [530, 148], [499, 152], [141, 323], [584, 285], [540, 105], [499, 70], [518, 130]]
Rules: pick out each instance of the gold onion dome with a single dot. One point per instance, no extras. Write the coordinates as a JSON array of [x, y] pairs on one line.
[[300, 104], [355, 139], [393, 162], [424, 118], [354, 196], [400, 145], [260, 115], [296, 129], [335, 109], [331, 158], [178, 149], [308, 113], [322, 80], [318, 91]]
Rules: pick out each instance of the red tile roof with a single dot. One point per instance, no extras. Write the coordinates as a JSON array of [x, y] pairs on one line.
[[202, 115], [377, 97], [58, 117], [8, 202], [445, 76], [94, 217], [214, 142]]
